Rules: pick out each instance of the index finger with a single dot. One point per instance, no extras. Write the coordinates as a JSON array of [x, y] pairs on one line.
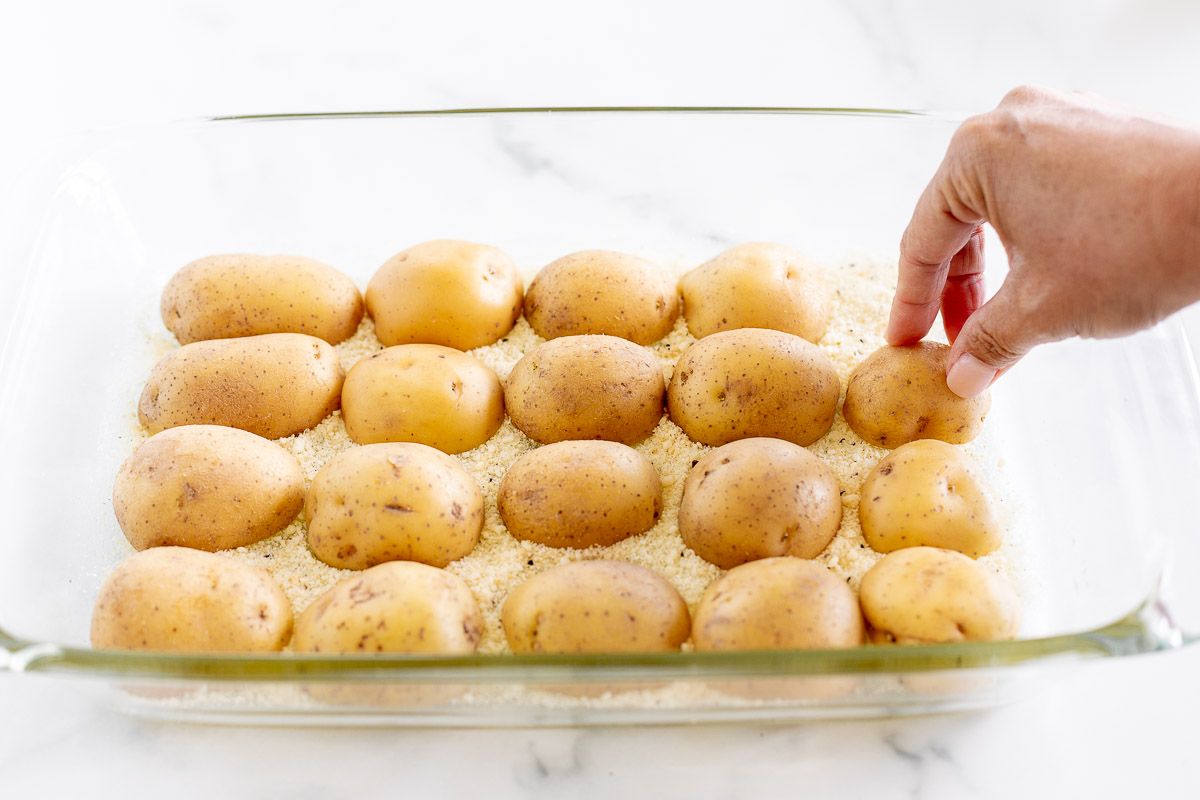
[[933, 237]]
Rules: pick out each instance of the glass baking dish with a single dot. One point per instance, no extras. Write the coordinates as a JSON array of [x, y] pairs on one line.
[[1099, 439]]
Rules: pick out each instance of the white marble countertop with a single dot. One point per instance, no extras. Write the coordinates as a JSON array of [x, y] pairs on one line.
[[1108, 729]]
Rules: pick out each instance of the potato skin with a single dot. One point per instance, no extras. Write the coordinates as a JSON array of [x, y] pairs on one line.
[[580, 494], [602, 292], [759, 498], [180, 600], [753, 382], [899, 394], [586, 387], [225, 296], [274, 385], [397, 607], [758, 285], [422, 393], [926, 594], [456, 294], [392, 502], [778, 604], [927, 492], [595, 607], [206, 487]]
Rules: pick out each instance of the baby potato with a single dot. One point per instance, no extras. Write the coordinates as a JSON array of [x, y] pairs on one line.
[[456, 294], [758, 285], [778, 604], [221, 297], [595, 607], [207, 487], [586, 387], [422, 393], [397, 607], [599, 291], [758, 498], [753, 382], [927, 595], [580, 494], [392, 502], [274, 385], [899, 394], [187, 601], [927, 492]]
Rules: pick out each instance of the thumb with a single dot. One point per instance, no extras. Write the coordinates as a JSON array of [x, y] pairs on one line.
[[993, 339]]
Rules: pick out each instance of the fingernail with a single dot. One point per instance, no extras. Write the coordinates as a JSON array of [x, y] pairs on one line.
[[969, 376]]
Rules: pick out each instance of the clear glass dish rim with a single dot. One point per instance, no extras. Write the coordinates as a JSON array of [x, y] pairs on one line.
[[1145, 629]]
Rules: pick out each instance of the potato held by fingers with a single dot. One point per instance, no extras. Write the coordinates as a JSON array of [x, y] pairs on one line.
[[899, 394]]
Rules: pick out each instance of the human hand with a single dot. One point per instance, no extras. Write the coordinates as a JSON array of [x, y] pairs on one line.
[[1098, 209]]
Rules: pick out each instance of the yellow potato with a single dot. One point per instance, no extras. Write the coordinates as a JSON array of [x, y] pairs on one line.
[[188, 601], [778, 604], [758, 498], [580, 494], [595, 607], [392, 502], [753, 382], [586, 387], [398, 607], [220, 297], [207, 487], [599, 291], [927, 493], [899, 394], [422, 393], [274, 385], [456, 294], [758, 285], [926, 595]]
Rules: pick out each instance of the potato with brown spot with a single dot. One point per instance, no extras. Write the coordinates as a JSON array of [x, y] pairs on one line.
[[778, 604], [398, 607], [174, 599], [586, 387], [758, 285], [759, 498], [220, 297], [580, 494], [274, 385], [928, 493], [422, 393], [926, 595], [899, 394], [602, 292], [753, 382], [207, 487], [456, 294], [392, 502], [595, 607]]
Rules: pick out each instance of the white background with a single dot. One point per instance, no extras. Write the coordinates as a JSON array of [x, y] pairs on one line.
[[1111, 730]]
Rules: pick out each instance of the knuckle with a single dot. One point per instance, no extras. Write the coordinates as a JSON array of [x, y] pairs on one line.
[[989, 345], [1025, 94]]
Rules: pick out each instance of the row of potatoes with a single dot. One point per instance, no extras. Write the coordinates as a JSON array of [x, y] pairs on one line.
[[588, 384]]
